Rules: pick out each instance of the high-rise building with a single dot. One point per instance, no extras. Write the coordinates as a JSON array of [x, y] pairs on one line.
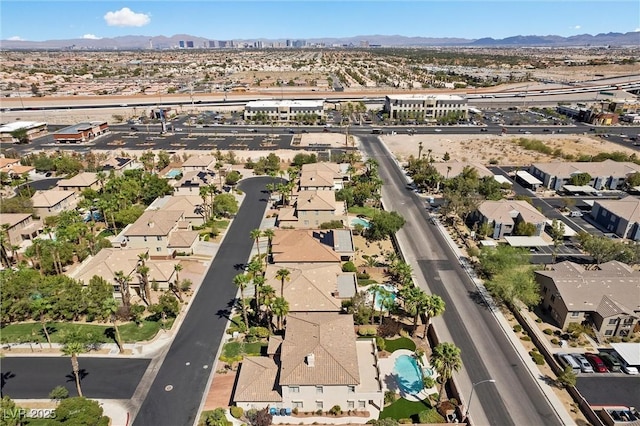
[[212, 44], [189, 44], [181, 44]]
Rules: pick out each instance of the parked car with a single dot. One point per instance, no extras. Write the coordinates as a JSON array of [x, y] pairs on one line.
[[596, 363], [567, 360], [584, 364], [610, 361], [484, 129], [629, 369]]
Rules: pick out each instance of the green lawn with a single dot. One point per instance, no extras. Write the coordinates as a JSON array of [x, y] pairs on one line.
[[403, 409], [400, 343], [235, 350], [100, 333], [365, 211]]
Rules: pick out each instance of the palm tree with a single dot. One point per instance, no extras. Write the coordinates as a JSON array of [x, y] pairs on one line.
[[385, 296], [269, 233], [268, 295], [254, 268], [206, 207], [280, 308], [374, 290], [445, 358], [124, 281], [434, 307], [283, 274], [73, 349], [143, 270], [5, 245], [176, 286], [41, 307], [419, 150], [258, 283], [241, 281], [255, 235], [110, 309]]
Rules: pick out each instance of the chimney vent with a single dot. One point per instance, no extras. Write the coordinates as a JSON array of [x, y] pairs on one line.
[[311, 360]]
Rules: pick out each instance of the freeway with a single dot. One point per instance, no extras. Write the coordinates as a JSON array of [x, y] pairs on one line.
[[175, 395], [515, 398]]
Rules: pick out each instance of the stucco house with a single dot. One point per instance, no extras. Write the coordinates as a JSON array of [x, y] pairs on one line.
[[163, 232], [311, 209], [318, 364], [321, 175], [20, 227], [622, 217], [52, 202], [607, 297], [80, 182], [504, 215]]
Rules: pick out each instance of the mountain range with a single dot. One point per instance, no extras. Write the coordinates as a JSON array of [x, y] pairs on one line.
[[133, 42]]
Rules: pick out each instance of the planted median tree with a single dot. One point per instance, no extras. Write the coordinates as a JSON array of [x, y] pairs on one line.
[[446, 359]]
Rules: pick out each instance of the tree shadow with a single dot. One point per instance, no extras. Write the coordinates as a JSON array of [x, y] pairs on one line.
[[4, 378], [224, 313], [240, 266], [82, 373], [477, 298], [50, 329], [550, 381]]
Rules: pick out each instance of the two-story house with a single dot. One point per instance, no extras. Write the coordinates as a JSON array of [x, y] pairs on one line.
[[20, 227], [52, 202], [199, 162], [311, 209], [80, 182], [503, 217], [163, 232], [322, 175], [318, 364]]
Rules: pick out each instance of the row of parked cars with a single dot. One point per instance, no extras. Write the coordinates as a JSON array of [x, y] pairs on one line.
[[603, 362]]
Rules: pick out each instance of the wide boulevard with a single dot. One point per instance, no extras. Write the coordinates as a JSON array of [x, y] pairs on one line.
[[514, 398]]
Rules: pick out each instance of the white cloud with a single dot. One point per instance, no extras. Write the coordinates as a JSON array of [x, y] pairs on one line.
[[637, 30], [125, 17], [577, 27], [16, 38], [91, 37]]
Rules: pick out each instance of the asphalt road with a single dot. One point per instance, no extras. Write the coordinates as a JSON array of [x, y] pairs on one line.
[[176, 393], [515, 398], [107, 378]]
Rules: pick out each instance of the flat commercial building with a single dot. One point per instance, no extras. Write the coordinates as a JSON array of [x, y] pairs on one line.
[[284, 110], [32, 130], [425, 107], [81, 132]]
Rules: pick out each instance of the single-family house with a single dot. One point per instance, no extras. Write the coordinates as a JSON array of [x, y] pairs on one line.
[[318, 364], [503, 217], [622, 217], [119, 165], [20, 227], [322, 175], [290, 246], [52, 202], [163, 232], [607, 297], [190, 205], [192, 181], [199, 162], [80, 182], [311, 209]]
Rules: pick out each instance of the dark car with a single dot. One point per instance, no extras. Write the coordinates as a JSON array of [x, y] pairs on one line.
[[484, 129], [596, 362], [305, 131], [291, 131], [611, 362], [135, 129]]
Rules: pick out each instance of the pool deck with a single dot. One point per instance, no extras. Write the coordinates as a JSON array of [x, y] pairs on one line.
[[389, 381]]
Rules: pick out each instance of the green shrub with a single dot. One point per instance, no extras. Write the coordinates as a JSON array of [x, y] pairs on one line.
[[539, 320], [405, 421], [390, 397], [295, 410], [236, 412], [335, 410], [334, 224], [261, 332], [58, 393], [430, 416], [363, 276], [517, 328], [381, 343], [319, 412], [349, 267], [555, 341], [366, 331], [525, 338], [537, 357], [548, 331]]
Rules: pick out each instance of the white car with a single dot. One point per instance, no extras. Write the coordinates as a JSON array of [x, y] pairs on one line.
[[629, 369], [438, 130]]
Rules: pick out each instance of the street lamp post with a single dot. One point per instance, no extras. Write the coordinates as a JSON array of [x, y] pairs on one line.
[[473, 387]]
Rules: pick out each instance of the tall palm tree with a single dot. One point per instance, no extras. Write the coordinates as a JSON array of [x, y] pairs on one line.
[[267, 296], [445, 358], [435, 306], [241, 281], [255, 235], [419, 150], [374, 290], [280, 308], [41, 307], [283, 275], [385, 297], [254, 268], [269, 234], [143, 271], [124, 281], [176, 285], [206, 207], [5, 245], [110, 309], [258, 282], [73, 349]]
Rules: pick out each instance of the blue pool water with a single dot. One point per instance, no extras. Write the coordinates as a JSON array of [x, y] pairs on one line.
[[360, 221], [173, 173], [409, 375], [378, 302]]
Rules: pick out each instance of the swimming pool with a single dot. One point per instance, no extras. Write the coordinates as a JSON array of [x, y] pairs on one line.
[[173, 173], [409, 374], [360, 221], [379, 297]]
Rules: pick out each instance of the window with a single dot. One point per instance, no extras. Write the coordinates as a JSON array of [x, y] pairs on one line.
[[159, 238], [319, 389], [362, 404], [294, 389], [352, 389], [158, 249], [319, 405], [144, 238], [297, 404], [351, 405], [613, 321], [608, 332], [575, 314]]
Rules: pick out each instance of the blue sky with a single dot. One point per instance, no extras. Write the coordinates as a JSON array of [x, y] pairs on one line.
[[301, 19]]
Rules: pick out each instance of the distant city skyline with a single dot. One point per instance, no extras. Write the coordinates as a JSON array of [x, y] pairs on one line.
[[246, 20]]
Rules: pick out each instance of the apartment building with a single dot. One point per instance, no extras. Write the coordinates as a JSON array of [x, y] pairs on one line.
[[606, 174], [283, 110], [424, 107], [622, 217]]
